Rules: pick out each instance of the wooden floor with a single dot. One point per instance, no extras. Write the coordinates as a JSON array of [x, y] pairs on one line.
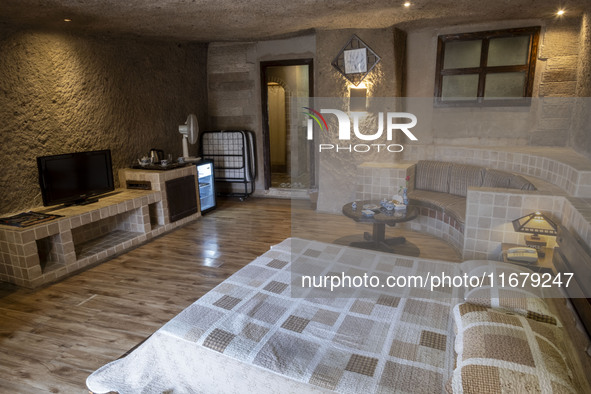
[[52, 338]]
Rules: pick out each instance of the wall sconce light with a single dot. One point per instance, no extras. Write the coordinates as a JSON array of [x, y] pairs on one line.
[[358, 98], [535, 223]]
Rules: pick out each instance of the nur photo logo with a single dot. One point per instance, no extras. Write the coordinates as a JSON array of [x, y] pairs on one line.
[[388, 121], [319, 120]]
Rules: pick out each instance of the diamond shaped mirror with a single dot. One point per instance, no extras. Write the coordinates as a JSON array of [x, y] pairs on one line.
[[355, 60]]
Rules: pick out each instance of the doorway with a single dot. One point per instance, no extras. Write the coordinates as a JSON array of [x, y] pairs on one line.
[[288, 157]]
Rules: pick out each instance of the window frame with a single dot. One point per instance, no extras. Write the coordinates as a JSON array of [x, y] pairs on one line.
[[483, 69]]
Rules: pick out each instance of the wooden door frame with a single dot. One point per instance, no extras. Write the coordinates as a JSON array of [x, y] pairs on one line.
[[264, 103]]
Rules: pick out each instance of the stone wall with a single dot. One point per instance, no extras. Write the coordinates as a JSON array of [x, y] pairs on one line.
[[584, 65], [233, 91], [407, 68], [580, 135], [232, 87], [234, 84], [546, 122], [61, 93], [337, 171], [557, 60]]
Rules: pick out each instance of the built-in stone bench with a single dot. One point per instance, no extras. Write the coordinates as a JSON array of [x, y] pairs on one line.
[[562, 167], [477, 220], [441, 187]]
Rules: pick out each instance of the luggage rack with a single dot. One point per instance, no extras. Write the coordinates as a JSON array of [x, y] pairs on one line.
[[234, 157]]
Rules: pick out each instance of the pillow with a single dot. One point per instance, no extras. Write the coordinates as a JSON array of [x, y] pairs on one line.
[[483, 268], [505, 180], [504, 353], [513, 301], [496, 178], [432, 175], [526, 301], [462, 176], [519, 182]]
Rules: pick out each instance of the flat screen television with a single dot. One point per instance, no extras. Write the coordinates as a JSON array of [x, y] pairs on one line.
[[75, 178]]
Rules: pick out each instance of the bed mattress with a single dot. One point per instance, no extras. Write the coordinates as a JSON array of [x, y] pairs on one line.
[[250, 334]]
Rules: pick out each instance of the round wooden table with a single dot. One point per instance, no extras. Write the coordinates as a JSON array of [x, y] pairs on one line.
[[377, 239]]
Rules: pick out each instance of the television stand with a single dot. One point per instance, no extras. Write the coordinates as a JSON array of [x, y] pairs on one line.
[[79, 202], [86, 235], [86, 201]]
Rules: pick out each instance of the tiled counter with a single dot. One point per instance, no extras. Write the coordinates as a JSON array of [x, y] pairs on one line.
[[89, 234]]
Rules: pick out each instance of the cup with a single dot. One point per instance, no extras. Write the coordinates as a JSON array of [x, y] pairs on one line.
[[181, 160], [163, 163]]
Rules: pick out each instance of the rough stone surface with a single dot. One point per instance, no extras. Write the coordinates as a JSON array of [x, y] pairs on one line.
[[584, 65], [63, 93], [232, 91], [581, 131], [561, 50], [136, 86], [561, 39], [231, 87], [222, 20], [560, 47], [562, 109], [558, 89], [556, 137], [563, 75], [234, 84], [556, 77], [381, 82]]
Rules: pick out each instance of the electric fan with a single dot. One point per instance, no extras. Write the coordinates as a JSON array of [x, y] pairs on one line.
[[190, 131]]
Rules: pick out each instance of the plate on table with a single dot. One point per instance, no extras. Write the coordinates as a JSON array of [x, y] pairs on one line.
[[371, 207], [368, 213]]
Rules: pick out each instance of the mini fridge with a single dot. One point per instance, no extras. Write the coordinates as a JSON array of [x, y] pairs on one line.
[[206, 181]]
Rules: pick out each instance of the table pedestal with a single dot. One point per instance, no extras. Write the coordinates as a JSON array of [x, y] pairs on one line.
[[377, 239]]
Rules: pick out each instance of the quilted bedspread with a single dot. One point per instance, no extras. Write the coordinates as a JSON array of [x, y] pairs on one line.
[[395, 340]]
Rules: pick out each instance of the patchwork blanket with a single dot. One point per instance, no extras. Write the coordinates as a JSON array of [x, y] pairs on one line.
[[394, 340]]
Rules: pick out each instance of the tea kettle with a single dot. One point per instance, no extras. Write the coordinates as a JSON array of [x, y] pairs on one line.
[[156, 155]]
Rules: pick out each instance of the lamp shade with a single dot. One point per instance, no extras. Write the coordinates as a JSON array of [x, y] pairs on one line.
[[535, 223]]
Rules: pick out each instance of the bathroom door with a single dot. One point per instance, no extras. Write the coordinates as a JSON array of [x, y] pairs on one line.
[[288, 156]]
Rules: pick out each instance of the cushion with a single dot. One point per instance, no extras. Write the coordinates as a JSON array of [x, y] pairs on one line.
[[432, 175], [519, 182], [461, 176], [513, 301], [522, 300], [496, 178], [504, 353]]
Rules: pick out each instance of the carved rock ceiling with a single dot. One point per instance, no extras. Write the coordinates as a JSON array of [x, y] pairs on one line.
[[244, 20]]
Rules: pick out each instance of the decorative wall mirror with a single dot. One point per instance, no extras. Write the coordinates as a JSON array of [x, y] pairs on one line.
[[355, 60]]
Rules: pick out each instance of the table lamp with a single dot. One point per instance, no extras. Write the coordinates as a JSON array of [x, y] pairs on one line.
[[535, 223]]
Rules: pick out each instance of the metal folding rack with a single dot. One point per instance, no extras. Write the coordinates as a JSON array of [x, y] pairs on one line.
[[234, 156]]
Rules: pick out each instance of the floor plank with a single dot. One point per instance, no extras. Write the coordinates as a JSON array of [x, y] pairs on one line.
[[52, 338]]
